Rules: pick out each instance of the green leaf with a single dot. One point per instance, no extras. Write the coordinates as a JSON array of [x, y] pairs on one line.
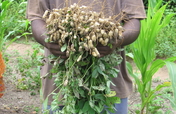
[[156, 65], [95, 72], [112, 100], [102, 66], [64, 47], [100, 87], [81, 92], [45, 103], [167, 19], [99, 97], [172, 74], [113, 72], [137, 80], [81, 103], [99, 108], [86, 107]]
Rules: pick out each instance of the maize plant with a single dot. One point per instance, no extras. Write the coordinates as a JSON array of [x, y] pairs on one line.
[[145, 58], [84, 78]]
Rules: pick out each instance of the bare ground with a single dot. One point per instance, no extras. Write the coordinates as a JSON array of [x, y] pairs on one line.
[[17, 101]]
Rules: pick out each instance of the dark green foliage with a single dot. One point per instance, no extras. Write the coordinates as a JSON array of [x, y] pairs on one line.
[[166, 42], [16, 19]]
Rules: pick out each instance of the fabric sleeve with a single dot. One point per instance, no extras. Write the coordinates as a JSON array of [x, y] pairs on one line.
[[133, 9], [36, 9]]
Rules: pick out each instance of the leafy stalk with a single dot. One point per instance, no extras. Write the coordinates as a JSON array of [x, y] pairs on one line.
[[4, 8], [144, 54]]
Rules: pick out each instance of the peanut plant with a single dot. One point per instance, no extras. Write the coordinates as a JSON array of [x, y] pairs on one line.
[[83, 78]]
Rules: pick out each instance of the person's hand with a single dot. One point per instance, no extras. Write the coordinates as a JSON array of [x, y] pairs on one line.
[[105, 50], [39, 33], [55, 50]]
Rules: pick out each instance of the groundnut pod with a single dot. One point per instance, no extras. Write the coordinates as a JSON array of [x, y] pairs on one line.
[[86, 18], [70, 33], [99, 35], [97, 30], [74, 36], [57, 15], [88, 37], [67, 53], [103, 43], [56, 10], [94, 54], [61, 27], [45, 14], [97, 52], [82, 31], [80, 48], [51, 38], [100, 40], [51, 17], [86, 30], [55, 37], [105, 35], [102, 31], [79, 58], [65, 82], [120, 28], [94, 38], [90, 44], [110, 34], [116, 31], [79, 28], [52, 31], [86, 47], [106, 40], [101, 20], [72, 24], [81, 18], [60, 42]]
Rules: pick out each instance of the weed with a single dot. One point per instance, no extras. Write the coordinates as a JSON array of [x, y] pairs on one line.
[[29, 69]]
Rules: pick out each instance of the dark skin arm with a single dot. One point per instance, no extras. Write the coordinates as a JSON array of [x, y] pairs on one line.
[[39, 32], [132, 29]]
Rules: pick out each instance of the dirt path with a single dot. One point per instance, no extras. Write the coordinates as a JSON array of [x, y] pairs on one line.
[[17, 101]]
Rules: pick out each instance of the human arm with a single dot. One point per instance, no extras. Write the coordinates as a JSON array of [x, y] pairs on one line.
[[130, 34], [40, 34]]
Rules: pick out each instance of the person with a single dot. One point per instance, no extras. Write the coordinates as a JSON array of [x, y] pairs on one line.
[[134, 11]]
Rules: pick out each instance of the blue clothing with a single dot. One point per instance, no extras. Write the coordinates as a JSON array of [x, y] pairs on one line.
[[121, 108]]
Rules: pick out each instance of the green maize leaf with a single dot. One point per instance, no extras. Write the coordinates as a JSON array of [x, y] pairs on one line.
[[159, 87], [137, 80], [167, 19], [171, 59], [157, 64], [172, 73], [173, 102], [45, 103], [157, 4]]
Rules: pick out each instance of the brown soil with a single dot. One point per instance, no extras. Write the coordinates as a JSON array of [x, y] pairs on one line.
[[17, 101]]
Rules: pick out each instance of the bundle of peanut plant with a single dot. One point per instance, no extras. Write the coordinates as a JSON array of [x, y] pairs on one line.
[[84, 78]]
